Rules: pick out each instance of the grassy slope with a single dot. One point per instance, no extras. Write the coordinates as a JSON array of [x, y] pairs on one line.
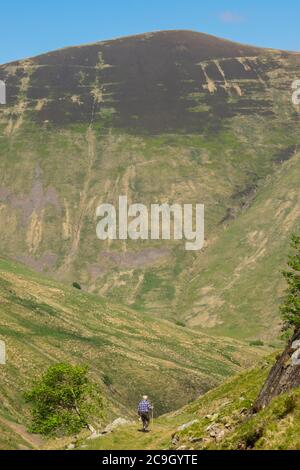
[[151, 276], [239, 294], [276, 427], [11, 440], [52, 179], [43, 322]]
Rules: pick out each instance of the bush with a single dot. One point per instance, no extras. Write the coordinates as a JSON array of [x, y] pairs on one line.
[[256, 342], [76, 285], [63, 400], [107, 380]]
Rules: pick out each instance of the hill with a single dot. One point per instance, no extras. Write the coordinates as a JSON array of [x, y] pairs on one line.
[[174, 116], [219, 421], [43, 322]]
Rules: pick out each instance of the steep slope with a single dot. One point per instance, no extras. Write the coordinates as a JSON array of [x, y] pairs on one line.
[[43, 322], [219, 420], [236, 285], [171, 116], [14, 436]]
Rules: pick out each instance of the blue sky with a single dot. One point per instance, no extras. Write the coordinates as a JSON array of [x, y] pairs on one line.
[[30, 27]]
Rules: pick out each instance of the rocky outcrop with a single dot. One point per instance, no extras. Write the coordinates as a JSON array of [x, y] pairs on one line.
[[187, 425], [110, 428], [284, 375]]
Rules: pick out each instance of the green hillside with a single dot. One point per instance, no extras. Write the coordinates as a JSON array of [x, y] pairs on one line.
[[43, 322], [236, 285], [178, 117], [171, 116], [218, 420]]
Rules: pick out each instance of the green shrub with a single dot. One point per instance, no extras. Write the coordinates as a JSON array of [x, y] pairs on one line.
[[256, 342], [76, 285], [107, 380], [63, 400]]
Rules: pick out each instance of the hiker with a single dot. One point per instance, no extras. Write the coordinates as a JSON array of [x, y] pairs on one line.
[[144, 411]]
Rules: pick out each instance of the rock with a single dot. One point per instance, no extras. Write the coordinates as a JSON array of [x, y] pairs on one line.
[[71, 446], [220, 435], [95, 435], [115, 424], [206, 440], [295, 359], [209, 427], [91, 428], [295, 345], [241, 446], [175, 440], [284, 375], [196, 439], [243, 411], [216, 431], [187, 425], [212, 417]]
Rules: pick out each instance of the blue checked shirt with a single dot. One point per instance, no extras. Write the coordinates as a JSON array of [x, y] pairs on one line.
[[144, 407]]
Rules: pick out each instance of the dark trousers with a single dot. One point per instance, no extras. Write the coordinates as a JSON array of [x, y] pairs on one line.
[[145, 420]]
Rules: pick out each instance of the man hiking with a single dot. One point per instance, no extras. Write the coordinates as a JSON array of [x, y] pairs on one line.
[[144, 411]]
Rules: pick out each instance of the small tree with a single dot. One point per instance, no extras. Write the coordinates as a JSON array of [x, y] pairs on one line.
[[63, 400], [76, 285], [290, 308]]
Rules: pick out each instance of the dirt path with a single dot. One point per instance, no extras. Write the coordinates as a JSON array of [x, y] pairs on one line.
[[33, 440]]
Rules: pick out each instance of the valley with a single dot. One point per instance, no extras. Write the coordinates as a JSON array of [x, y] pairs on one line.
[[43, 322], [165, 119]]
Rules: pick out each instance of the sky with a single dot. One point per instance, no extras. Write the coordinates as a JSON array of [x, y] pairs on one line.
[[30, 27]]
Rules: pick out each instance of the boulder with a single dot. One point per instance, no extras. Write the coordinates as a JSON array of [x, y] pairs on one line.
[[295, 345], [212, 417], [115, 424], [296, 358], [95, 435], [216, 431], [196, 439], [187, 425]]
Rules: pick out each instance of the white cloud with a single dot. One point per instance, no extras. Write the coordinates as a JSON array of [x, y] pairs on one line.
[[231, 17]]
